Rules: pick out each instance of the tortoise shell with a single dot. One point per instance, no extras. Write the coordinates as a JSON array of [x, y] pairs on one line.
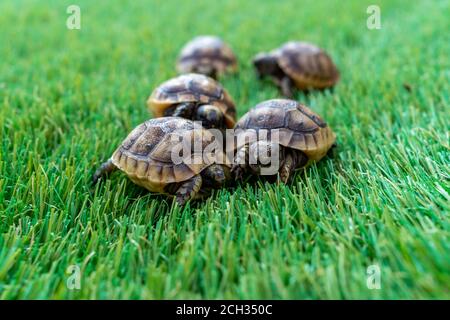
[[207, 50], [307, 65], [192, 87], [299, 127], [146, 155]]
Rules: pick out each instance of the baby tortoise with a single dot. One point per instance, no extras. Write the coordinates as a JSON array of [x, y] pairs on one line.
[[207, 55], [303, 137], [195, 97], [147, 157], [297, 64]]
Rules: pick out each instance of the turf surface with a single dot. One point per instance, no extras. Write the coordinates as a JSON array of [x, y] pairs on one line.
[[69, 97]]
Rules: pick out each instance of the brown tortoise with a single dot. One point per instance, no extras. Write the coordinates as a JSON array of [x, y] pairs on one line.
[[303, 137], [149, 157], [297, 64], [195, 97], [208, 55]]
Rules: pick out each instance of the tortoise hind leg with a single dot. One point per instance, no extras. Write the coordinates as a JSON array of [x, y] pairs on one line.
[[331, 153], [240, 163], [105, 169], [287, 87], [292, 161], [188, 190]]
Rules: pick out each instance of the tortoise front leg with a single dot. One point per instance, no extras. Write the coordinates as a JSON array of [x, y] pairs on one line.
[[292, 161], [188, 190], [184, 110], [240, 164], [287, 87], [207, 70], [105, 169]]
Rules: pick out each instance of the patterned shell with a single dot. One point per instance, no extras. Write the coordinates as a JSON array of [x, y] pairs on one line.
[[151, 154], [207, 50], [299, 127], [307, 65], [192, 87]]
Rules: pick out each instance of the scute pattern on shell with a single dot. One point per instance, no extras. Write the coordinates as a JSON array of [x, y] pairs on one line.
[[299, 127], [308, 65], [146, 154], [207, 50], [192, 87]]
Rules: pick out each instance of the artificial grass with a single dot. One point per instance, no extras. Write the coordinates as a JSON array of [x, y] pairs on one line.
[[69, 97]]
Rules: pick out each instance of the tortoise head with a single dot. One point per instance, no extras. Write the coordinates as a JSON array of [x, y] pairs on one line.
[[210, 116], [265, 157], [207, 69], [216, 176], [265, 64]]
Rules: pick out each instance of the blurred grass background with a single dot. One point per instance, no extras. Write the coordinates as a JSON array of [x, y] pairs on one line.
[[69, 97]]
